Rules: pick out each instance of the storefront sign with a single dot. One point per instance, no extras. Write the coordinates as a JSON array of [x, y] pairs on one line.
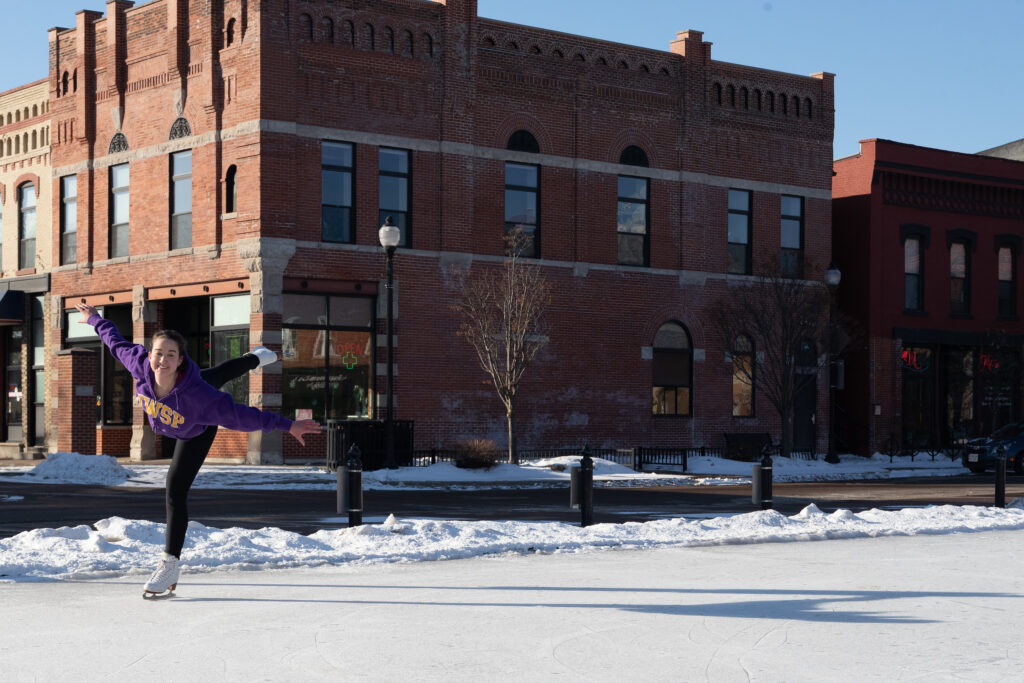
[[916, 360]]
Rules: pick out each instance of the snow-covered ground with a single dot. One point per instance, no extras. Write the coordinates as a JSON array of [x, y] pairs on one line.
[[920, 593]]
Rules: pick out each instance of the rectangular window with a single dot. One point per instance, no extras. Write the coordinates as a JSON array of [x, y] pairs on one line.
[[181, 200], [327, 356], [959, 279], [633, 221], [119, 186], [671, 390], [68, 219], [336, 168], [792, 236], [912, 290], [393, 195], [229, 338], [38, 369], [27, 226], [521, 195], [1007, 282], [114, 395], [739, 232]]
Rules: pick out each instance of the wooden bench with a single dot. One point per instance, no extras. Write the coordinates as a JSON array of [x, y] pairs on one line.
[[747, 446]]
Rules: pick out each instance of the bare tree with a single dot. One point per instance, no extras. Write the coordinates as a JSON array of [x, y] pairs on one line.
[[501, 311], [783, 317]]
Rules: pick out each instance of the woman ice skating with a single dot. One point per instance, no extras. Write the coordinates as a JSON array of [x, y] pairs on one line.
[[186, 404]]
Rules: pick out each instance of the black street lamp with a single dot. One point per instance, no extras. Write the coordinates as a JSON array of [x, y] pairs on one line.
[[832, 277], [390, 235]]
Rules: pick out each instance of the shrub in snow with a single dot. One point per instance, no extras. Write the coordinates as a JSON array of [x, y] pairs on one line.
[[476, 454]]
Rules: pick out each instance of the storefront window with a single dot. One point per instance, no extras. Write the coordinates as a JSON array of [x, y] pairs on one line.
[[958, 368], [327, 356], [229, 338], [918, 396]]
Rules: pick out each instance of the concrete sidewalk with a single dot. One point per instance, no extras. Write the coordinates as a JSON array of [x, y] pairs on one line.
[[921, 608]]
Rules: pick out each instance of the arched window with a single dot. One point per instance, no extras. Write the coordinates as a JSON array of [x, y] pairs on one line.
[[230, 190], [370, 40], [623, 64], [731, 92], [230, 33], [602, 61], [771, 102], [743, 377], [757, 99], [74, 81], [35, 140], [26, 114], [523, 141], [64, 83], [672, 381], [327, 30], [389, 39], [17, 115], [348, 33], [26, 226], [180, 129], [35, 110], [744, 97], [17, 144], [796, 106], [634, 156], [488, 42], [784, 105], [118, 143], [407, 43], [718, 93], [429, 40], [305, 27], [558, 54], [808, 107]]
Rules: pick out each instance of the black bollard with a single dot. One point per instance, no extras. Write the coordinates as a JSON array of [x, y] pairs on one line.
[[350, 487], [761, 482], [1001, 478], [586, 488]]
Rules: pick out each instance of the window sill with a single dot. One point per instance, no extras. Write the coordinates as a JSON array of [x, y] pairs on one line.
[[915, 313], [668, 415], [228, 216], [25, 271]]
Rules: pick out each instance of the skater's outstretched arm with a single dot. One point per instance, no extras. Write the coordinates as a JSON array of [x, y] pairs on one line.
[[131, 355]]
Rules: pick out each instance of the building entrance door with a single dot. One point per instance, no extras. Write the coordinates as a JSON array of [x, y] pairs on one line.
[[804, 405], [13, 396]]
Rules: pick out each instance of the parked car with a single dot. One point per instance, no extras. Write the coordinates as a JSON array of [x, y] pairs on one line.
[[981, 454]]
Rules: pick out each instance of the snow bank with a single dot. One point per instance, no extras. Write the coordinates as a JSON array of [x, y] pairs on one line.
[[118, 546], [75, 468]]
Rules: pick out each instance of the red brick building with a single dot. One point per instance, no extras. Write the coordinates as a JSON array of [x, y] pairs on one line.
[[233, 166], [929, 244]]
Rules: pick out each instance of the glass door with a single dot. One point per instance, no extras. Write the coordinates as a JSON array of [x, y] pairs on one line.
[[14, 399]]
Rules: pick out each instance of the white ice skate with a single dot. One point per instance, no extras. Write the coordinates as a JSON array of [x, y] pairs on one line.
[[164, 580], [265, 357]]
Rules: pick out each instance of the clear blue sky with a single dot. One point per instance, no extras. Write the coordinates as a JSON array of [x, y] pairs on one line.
[[937, 73]]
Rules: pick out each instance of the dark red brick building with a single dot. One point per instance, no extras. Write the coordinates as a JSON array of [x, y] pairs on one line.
[[929, 244], [234, 160]]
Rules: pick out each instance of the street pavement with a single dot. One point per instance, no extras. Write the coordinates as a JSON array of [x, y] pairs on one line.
[[29, 506]]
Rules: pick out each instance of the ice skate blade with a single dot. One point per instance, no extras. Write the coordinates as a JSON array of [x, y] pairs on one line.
[[150, 595]]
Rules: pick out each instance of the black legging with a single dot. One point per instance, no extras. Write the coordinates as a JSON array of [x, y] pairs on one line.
[[189, 455]]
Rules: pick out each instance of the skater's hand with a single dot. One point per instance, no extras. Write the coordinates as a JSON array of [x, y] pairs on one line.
[[86, 310], [302, 427]]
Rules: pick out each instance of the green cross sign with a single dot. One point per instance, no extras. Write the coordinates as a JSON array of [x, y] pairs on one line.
[[349, 360]]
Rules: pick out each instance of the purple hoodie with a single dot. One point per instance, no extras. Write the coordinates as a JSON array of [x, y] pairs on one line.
[[193, 405]]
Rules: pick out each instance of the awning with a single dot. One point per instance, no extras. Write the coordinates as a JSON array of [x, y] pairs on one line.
[[12, 307]]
